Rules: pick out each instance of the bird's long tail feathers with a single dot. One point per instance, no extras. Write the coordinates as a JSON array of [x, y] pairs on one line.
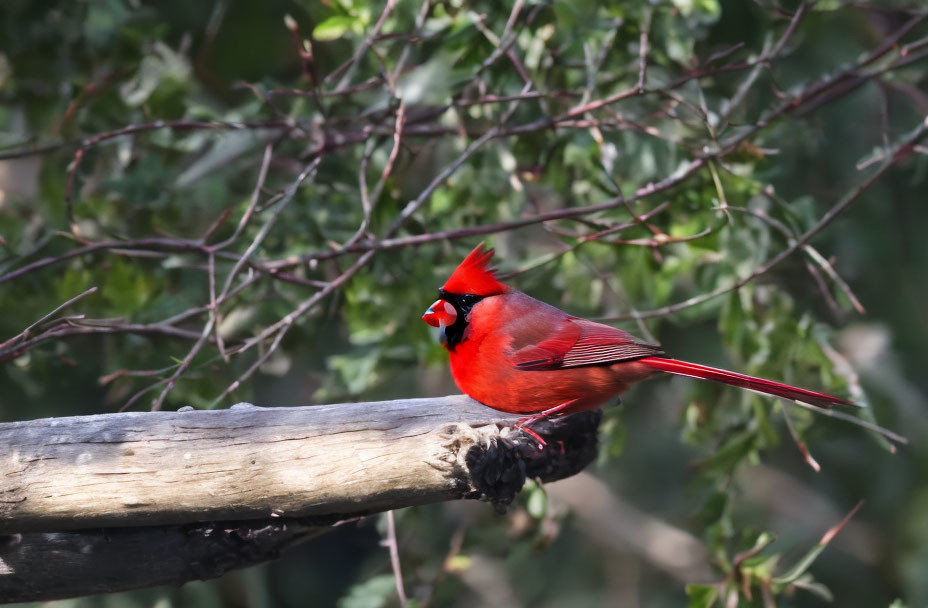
[[703, 372]]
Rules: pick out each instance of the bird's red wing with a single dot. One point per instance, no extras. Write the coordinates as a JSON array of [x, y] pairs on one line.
[[603, 345], [549, 349], [580, 343]]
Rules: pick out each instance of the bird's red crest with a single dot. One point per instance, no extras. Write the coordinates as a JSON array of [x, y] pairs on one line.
[[473, 275]]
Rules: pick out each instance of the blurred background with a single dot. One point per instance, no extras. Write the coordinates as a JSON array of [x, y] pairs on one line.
[[711, 133]]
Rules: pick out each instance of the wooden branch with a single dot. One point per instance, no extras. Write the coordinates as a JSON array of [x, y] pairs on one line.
[[165, 497]]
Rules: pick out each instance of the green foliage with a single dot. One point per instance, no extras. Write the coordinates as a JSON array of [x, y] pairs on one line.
[[375, 592], [230, 74]]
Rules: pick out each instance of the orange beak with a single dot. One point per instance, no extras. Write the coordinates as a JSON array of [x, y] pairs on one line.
[[440, 314]]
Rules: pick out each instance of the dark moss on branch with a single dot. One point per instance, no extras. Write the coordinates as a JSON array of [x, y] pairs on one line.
[[499, 469]]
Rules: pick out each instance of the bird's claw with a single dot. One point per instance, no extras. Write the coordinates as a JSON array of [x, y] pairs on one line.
[[541, 442]]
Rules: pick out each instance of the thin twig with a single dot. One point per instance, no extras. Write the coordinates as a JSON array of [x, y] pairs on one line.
[[866, 424], [643, 47], [25, 333], [392, 545], [800, 444]]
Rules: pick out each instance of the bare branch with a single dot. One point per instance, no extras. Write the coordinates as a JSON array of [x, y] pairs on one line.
[[393, 547], [25, 333]]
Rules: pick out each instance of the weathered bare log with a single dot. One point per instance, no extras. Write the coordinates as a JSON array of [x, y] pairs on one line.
[[215, 490]]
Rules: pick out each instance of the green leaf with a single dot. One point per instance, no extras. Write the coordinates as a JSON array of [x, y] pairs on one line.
[[537, 503], [803, 564], [333, 28], [375, 592], [702, 596], [731, 454], [126, 289], [614, 435], [458, 563], [817, 589]]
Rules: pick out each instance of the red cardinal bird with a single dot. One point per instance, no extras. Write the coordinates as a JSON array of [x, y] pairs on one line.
[[517, 354]]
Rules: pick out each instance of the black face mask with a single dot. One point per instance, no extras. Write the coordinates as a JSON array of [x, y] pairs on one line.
[[463, 303]]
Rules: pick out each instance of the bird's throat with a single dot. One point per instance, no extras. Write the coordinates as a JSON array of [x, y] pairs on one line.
[[452, 335]]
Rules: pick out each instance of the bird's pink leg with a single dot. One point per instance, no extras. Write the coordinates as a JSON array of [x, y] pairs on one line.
[[524, 424]]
